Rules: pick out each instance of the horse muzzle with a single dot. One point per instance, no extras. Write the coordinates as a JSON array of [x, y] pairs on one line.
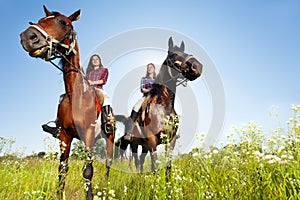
[[194, 70], [34, 43]]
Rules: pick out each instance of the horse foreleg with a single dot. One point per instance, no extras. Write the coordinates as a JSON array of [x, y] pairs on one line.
[[135, 156], [152, 142], [142, 158], [169, 149], [88, 173], [65, 144], [88, 170], [153, 156], [109, 155], [130, 161]]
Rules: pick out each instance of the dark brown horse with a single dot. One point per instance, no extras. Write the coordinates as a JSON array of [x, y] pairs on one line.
[[54, 37], [158, 121]]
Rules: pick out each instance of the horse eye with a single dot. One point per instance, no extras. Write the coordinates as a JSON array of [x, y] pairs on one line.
[[177, 63], [62, 22]]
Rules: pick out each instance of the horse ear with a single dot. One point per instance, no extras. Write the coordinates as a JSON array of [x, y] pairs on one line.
[[75, 16], [182, 46], [47, 12], [171, 45]]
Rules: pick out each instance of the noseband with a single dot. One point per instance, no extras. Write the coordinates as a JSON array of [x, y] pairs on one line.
[[54, 43], [171, 64]]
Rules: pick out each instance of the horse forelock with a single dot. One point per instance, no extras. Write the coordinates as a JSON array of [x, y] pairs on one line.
[[58, 14], [55, 13], [176, 48]]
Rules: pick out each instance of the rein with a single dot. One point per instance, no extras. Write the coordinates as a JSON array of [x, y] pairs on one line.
[[53, 53]]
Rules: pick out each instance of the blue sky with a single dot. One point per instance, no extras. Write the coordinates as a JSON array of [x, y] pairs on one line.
[[255, 46]]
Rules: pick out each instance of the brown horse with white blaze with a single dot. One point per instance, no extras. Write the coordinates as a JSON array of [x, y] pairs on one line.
[[54, 37]]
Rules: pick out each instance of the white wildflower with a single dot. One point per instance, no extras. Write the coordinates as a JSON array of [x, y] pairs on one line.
[[111, 193], [293, 107], [271, 161], [178, 178], [63, 144], [276, 158], [281, 148], [291, 157], [215, 151], [261, 165], [196, 154], [284, 156], [268, 157], [258, 154]]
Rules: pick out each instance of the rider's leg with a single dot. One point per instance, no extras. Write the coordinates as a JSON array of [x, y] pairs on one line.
[[100, 96], [53, 130], [130, 125], [133, 118], [107, 118]]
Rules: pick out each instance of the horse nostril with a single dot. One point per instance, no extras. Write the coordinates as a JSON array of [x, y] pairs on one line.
[[194, 67], [33, 36]]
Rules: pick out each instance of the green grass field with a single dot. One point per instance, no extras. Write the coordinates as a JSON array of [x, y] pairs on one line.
[[250, 166]]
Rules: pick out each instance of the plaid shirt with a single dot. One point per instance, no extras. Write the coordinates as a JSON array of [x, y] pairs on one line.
[[146, 83], [98, 74]]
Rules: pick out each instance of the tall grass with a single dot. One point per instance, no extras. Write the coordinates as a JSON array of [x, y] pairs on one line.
[[253, 165]]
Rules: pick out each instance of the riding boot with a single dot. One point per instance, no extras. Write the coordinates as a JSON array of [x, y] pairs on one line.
[[106, 120], [54, 131], [130, 125]]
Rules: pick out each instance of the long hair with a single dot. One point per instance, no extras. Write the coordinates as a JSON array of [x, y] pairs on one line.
[[90, 66], [154, 73]]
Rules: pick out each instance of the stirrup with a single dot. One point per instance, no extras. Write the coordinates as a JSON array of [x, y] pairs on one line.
[[54, 131], [108, 128]]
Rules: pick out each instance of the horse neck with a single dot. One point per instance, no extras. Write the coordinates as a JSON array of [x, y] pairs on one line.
[[164, 78], [167, 83], [71, 70]]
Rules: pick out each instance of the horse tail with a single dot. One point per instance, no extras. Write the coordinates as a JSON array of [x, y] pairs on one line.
[[121, 118], [121, 145]]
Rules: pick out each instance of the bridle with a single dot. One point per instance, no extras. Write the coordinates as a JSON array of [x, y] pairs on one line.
[[178, 66], [53, 43]]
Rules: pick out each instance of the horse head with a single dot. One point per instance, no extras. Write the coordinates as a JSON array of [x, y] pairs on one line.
[[186, 65], [51, 37]]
